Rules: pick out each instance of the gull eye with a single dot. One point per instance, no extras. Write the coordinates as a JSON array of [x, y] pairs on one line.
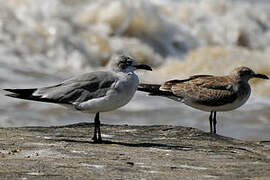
[[128, 62], [246, 72], [123, 62]]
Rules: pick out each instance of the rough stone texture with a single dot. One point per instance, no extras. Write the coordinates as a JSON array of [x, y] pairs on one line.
[[130, 152]]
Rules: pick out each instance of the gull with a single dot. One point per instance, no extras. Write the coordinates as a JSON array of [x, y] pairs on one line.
[[93, 92], [207, 92]]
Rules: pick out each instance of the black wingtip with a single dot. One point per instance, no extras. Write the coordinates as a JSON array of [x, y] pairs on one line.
[[9, 90], [27, 94], [148, 87], [20, 93], [12, 95], [153, 90]]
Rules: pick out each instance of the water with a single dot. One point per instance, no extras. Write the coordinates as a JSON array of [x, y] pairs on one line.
[[45, 42]]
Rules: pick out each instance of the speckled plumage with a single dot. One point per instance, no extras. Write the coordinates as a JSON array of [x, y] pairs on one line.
[[207, 92]]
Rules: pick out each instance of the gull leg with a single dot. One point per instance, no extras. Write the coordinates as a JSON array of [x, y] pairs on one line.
[[210, 122], [99, 140], [97, 135], [95, 131], [215, 121]]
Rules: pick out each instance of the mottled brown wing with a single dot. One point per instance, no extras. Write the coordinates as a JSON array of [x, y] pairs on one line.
[[168, 85], [210, 90]]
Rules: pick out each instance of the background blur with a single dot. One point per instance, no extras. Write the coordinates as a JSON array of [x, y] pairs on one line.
[[44, 42]]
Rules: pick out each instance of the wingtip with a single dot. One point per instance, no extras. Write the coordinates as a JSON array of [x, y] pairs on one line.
[[166, 86], [12, 95], [19, 93], [8, 90]]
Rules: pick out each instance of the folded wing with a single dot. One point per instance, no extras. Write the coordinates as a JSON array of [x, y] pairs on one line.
[[79, 89], [206, 89]]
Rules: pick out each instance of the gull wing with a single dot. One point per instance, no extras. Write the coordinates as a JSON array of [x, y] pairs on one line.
[[206, 89], [78, 89], [168, 85]]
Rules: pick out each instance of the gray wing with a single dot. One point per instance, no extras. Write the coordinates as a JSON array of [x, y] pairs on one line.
[[78, 89]]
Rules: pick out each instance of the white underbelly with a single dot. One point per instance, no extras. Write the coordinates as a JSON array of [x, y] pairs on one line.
[[117, 97], [108, 103]]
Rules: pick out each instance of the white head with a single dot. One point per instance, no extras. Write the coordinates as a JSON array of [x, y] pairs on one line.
[[123, 63]]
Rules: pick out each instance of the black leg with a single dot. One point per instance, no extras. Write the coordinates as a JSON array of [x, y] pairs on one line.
[[95, 131], [98, 131], [215, 121], [210, 122], [97, 134]]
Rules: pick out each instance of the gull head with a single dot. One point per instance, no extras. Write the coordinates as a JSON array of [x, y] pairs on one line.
[[123, 63], [245, 73]]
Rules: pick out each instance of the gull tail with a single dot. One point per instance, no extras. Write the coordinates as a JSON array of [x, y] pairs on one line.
[[22, 94], [153, 90]]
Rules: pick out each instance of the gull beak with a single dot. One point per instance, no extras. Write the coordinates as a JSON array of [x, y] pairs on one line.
[[262, 76], [143, 66]]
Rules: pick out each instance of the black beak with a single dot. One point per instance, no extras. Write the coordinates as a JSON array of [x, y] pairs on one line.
[[262, 76], [143, 66]]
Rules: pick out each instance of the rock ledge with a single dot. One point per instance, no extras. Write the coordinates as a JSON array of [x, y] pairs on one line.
[[129, 152]]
